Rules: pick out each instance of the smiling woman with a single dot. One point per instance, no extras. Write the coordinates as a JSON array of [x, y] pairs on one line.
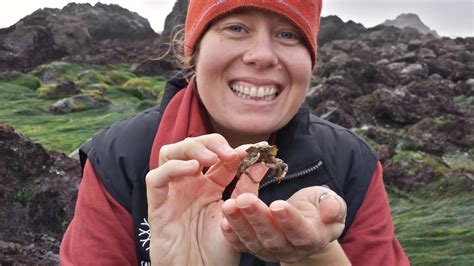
[[174, 196]]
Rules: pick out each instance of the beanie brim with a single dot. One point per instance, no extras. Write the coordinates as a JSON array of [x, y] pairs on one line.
[[306, 18]]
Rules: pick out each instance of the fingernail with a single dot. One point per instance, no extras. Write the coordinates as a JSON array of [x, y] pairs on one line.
[[280, 214], [326, 194]]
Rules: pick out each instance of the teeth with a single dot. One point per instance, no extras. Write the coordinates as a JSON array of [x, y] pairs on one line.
[[255, 93]]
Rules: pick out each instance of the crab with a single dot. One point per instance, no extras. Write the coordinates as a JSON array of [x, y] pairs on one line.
[[262, 152]]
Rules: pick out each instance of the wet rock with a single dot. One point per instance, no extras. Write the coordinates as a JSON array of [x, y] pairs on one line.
[[20, 157], [38, 191], [162, 67], [416, 70], [426, 53], [63, 89], [363, 74], [77, 103]]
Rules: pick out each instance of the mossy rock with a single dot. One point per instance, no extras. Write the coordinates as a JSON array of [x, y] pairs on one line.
[[57, 72], [78, 103], [464, 102], [88, 77], [46, 89], [145, 87], [118, 77], [20, 79], [413, 169], [461, 160]]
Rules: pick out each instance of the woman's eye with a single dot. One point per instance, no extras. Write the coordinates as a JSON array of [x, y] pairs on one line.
[[289, 35], [235, 28]]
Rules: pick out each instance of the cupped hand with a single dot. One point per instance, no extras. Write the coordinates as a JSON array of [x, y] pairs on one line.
[[291, 231], [185, 206]]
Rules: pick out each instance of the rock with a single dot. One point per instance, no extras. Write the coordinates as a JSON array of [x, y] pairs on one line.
[[416, 70], [38, 191], [383, 34], [104, 21], [63, 89], [333, 28], [412, 21], [426, 53], [165, 62], [20, 157], [76, 30], [77, 103], [162, 67]]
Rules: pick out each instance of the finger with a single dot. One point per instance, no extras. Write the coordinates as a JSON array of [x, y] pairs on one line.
[[206, 149], [157, 180], [299, 230], [222, 173], [231, 237], [259, 217], [245, 183], [239, 224]]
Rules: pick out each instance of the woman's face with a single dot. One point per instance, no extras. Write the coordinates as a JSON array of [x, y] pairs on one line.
[[252, 73]]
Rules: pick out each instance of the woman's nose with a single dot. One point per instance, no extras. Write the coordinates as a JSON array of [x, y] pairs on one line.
[[261, 53]]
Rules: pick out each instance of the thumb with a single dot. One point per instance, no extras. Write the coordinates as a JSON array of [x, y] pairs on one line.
[[332, 208]]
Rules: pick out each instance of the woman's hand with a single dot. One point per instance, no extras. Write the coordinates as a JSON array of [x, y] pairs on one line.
[[301, 230], [185, 206]]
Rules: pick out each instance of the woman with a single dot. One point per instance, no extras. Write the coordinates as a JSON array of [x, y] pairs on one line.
[[253, 61]]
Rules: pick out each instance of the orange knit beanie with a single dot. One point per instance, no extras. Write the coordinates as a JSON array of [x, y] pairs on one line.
[[303, 13]]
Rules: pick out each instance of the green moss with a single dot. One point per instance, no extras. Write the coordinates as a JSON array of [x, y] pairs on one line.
[[44, 90], [119, 77], [461, 160], [145, 87], [21, 197], [434, 229], [464, 102], [442, 121], [414, 162], [24, 80], [29, 114]]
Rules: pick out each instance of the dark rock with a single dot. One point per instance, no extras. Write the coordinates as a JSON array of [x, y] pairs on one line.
[[53, 34], [336, 88], [20, 157], [38, 191], [165, 62], [363, 74], [156, 68], [104, 21], [382, 34], [64, 89], [333, 28]]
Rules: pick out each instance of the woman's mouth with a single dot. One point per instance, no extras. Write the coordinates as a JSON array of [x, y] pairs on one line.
[[256, 93]]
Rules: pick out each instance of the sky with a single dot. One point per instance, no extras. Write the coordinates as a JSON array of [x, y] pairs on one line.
[[450, 18]]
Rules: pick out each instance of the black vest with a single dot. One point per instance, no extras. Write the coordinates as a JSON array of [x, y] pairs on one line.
[[317, 152]]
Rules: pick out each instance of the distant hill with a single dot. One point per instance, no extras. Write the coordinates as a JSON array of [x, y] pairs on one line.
[[410, 20]]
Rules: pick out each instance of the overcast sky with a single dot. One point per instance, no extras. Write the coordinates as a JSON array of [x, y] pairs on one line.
[[450, 18]]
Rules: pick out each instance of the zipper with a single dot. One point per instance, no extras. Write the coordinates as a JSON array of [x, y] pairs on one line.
[[294, 175]]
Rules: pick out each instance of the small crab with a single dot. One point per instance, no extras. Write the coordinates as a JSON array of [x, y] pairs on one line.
[[264, 153]]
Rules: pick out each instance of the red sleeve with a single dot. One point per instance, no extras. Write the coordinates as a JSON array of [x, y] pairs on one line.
[[101, 232], [371, 238]]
